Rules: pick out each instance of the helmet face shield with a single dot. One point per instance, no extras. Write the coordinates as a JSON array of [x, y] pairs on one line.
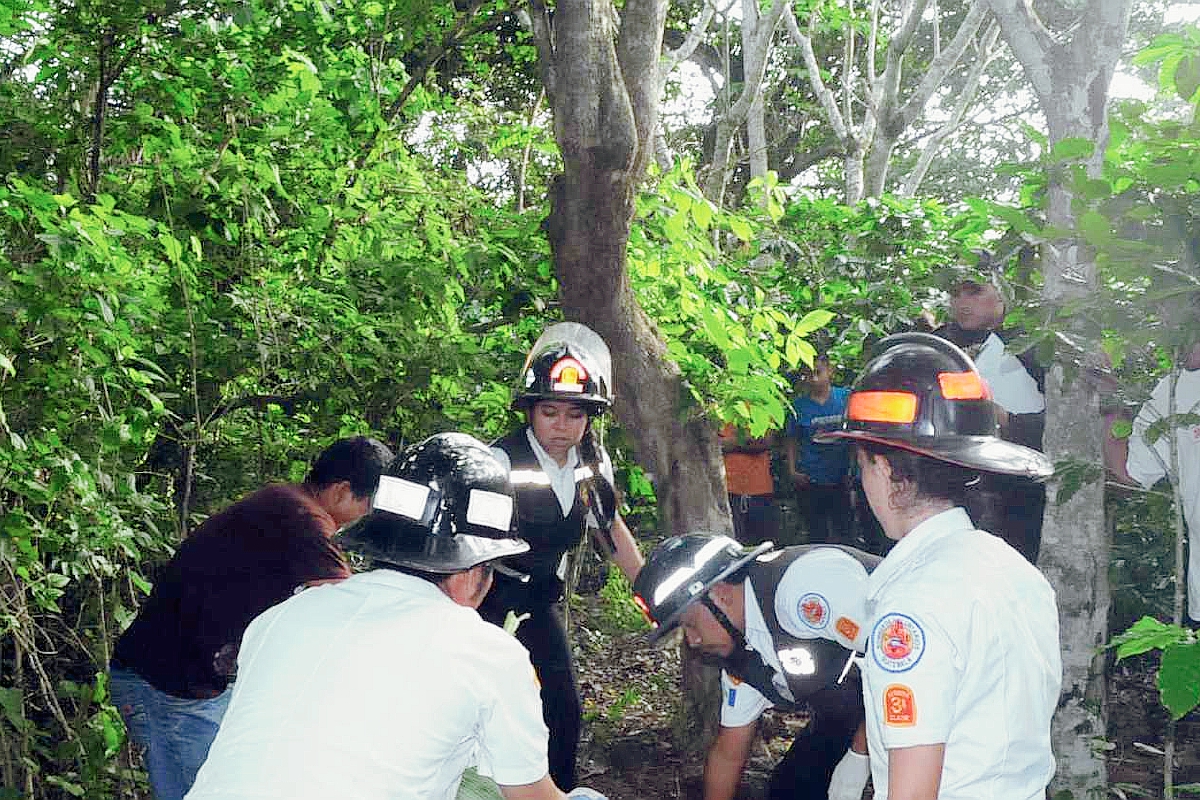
[[923, 394], [569, 362]]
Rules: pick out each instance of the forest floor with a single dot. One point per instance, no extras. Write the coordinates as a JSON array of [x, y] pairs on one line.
[[631, 702]]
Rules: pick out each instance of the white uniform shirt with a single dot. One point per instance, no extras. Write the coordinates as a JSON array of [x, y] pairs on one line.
[[1013, 388], [963, 651], [1147, 464], [822, 594], [377, 687]]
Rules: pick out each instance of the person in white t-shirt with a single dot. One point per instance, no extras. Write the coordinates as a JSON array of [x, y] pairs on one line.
[[1148, 462], [388, 685], [962, 671]]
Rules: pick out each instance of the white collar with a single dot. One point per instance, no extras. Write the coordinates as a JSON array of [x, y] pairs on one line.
[[916, 544], [549, 465]]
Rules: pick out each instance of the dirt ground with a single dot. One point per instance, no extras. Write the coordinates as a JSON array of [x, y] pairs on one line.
[[631, 705]]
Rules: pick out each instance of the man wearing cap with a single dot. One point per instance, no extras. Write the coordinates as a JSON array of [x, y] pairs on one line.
[[388, 684], [962, 671], [1014, 509], [783, 625]]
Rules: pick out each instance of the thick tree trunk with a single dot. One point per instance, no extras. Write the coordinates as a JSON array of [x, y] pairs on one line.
[[604, 92], [588, 228], [1071, 81]]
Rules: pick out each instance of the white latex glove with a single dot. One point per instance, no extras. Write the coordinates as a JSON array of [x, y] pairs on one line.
[[850, 776], [585, 793]]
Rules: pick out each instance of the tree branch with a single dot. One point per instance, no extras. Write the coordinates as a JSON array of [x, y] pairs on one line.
[[824, 96], [639, 49], [1030, 42], [913, 180], [947, 60]]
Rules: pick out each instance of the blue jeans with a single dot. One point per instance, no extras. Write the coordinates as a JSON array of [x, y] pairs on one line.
[[173, 732]]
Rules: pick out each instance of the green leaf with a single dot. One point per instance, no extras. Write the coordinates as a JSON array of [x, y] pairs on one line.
[[739, 360], [1145, 635], [814, 320], [1187, 77], [1071, 149], [1096, 228], [140, 582], [741, 228], [172, 246], [714, 326], [1179, 678], [702, 214]]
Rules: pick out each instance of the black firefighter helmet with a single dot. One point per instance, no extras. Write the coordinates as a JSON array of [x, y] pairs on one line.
[[923, 394], [569, 361], [681, 570], [444, 505]]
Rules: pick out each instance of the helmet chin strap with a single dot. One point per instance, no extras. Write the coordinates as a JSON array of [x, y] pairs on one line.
[[739, 638]]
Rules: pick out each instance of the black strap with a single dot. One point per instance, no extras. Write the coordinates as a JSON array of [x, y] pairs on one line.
[[746, 663]]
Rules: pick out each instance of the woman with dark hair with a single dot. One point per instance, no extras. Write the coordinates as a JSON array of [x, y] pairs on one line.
[[564, 486], [962, 672]]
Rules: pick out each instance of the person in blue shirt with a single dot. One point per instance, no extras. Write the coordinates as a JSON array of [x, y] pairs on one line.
[[820, 473]]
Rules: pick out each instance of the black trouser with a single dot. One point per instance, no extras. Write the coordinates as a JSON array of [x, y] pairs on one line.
[[545, 637], [755, 518], [827, 513], [804, 772]]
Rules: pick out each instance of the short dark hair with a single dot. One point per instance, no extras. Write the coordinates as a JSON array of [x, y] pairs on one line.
[[437, 578], [360, 460], [930, 478]]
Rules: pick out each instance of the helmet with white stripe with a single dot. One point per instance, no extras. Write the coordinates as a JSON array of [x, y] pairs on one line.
[[444, 505]]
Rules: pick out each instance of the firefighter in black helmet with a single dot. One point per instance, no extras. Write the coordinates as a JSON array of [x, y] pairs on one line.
[[783, 625], [962, 670], [564, 485], [387, 684]]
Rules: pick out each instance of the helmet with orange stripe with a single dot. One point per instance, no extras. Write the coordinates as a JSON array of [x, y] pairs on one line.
[[570, 362], [923, 394]]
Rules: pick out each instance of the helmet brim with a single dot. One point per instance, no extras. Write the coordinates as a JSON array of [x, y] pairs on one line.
[[438, 554], [593, 404], [985, 453], [672, 622]]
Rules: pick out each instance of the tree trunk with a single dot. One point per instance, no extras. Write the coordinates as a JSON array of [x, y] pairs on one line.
[[1071, 81], [757, 34], [604, 90]]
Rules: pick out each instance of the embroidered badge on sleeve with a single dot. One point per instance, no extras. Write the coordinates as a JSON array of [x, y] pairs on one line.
[[899, 706], [897, 642], [734, 682], [814, 611], [847, 627]]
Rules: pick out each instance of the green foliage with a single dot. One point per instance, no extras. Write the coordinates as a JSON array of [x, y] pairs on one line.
[[1179, 669], [618, 610], [745, 297]]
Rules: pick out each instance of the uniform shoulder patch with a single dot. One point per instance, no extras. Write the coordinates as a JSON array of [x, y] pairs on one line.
[[899, 706], [847, 627], [897, 642], [814, 611]]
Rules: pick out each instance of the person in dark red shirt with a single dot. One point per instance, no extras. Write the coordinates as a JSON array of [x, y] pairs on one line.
[[171, 668]]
